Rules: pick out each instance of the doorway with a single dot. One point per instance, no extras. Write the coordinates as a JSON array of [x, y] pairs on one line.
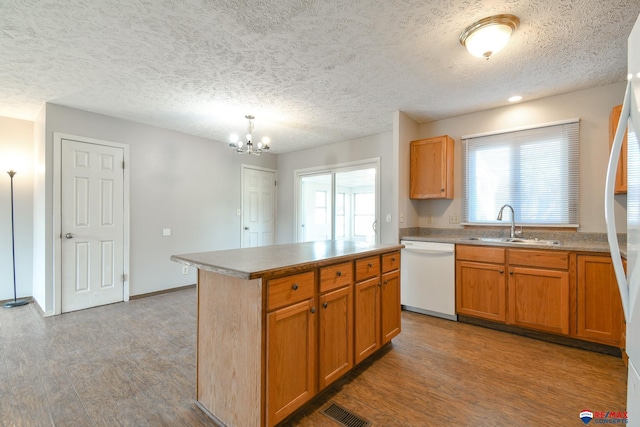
[[258, 206], [91, 204], [338, 203]]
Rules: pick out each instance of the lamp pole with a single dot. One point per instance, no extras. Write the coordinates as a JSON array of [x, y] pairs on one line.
[[15, 302]]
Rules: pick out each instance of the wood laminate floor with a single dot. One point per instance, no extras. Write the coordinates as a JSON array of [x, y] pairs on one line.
[[133, 364]]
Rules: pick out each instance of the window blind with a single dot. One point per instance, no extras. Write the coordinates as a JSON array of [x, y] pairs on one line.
[[535, 170]]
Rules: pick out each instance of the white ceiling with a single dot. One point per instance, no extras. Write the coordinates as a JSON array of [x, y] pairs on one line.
[[311, 71]]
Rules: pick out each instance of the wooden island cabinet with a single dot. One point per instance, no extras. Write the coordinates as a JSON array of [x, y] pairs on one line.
[[276, 325]]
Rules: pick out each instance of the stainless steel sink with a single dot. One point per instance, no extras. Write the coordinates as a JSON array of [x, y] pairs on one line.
[[518, 240]]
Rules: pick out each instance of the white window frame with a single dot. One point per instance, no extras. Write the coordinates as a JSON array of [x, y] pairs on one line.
[[573, 183], [333, 169]]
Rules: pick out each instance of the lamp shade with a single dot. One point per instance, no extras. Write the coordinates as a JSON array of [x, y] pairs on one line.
[[489, 35]]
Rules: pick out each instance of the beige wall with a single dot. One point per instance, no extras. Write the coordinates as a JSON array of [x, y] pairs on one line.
[[591, 106], [16, 152]]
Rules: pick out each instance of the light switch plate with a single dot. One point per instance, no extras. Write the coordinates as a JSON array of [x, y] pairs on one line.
[[166, 232]]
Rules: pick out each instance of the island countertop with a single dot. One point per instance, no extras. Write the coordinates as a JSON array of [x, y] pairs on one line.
[[252, 263]]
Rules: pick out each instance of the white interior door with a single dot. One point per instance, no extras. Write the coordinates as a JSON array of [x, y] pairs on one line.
[[259, 201], [92, 225]]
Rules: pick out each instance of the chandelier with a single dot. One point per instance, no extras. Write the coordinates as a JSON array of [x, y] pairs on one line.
[[249, 147]]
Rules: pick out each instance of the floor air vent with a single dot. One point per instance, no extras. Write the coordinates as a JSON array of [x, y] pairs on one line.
[[344, 417]]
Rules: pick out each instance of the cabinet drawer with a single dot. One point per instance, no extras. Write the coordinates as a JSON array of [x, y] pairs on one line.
[[390, 262], [480, 253], [534, 258], [290, 289], [367, 268], [336, 276]]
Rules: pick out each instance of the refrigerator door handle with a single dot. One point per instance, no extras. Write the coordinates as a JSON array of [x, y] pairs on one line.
[[609, 211]]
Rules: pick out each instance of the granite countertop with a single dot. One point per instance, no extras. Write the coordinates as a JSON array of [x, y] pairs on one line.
[[569, 240], [252, 263]]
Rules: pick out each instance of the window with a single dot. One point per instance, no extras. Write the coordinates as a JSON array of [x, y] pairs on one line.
[[339, 202], [534, 170]]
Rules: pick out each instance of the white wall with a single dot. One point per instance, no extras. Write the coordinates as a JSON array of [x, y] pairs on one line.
[[186, 183], [405, 130], [591, 106], [380, 145], [16, 152]]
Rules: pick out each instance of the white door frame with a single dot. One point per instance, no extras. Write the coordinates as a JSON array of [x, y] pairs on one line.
[[57, 212], [332, 169], [275, 200]]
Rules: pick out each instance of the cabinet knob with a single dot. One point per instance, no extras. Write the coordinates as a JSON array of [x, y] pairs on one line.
[[501, 271], [442, 190], [511, 273], [385, 282], [325, 304], [313, 309], [393, 259], [379, 284], [295, 287], [370, 265], [339, 273]]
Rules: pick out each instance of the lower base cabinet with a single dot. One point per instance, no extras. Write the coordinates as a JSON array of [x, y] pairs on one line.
[[559, 292], [390, 307], [367, 317], [599, 309], [539, 299], [335, 347]]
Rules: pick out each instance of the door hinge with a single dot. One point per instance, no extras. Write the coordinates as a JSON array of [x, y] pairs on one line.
[[124, 277], [123, 164], [275, 183]]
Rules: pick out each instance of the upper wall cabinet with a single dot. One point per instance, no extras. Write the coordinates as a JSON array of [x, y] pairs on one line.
[[621, 173], [432, 168]]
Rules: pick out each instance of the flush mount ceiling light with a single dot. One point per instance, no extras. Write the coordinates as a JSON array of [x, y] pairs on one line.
[[249, 147], [488, 36]]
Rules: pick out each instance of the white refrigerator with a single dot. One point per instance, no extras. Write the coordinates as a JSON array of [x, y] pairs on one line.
[[629, 284]]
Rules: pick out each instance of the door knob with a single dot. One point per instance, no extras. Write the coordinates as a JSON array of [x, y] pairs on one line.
[[246, 228], [69, 235]]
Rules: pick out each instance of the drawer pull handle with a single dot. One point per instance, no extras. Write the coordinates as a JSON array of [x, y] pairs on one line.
[[370, 265], [295, 287], [313, 309], [339, 273], [325, 304]]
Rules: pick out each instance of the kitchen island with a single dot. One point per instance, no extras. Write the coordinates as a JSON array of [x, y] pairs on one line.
[[278, 324]]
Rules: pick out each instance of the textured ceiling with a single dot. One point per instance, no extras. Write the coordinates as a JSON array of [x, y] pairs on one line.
[[311, 71]]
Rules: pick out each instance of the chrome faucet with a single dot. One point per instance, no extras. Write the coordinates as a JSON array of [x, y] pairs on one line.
[[513, 219]]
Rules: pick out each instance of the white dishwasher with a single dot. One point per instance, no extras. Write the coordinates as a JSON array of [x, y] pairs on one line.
[[427, 278]]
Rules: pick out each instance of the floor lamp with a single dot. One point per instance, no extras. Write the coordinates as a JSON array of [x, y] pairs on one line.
[[15, 302]]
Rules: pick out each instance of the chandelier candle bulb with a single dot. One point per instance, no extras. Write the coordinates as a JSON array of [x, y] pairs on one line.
[[256, 150]]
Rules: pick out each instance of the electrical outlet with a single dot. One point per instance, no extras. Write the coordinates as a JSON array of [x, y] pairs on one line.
[[185, 269], [166, 232], [454, 219], [388, 217]]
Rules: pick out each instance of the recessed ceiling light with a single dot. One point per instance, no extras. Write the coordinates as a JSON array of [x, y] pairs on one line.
[[515, 98]]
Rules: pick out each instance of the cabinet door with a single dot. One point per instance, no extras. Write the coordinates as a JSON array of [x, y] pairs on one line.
[[291, 359], [480, 290], [539, 299], [621, 173], [431, 168], [390, 306], [367, 318], [336, 335], [599, 310]]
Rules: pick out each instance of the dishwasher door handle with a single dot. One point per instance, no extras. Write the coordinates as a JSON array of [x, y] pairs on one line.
[[430, 251]]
